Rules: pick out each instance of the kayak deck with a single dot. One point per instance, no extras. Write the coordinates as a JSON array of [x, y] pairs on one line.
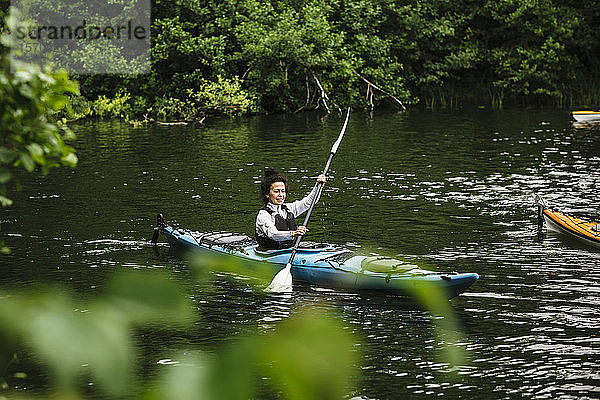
[[584, 231], [586, 116], [324, 265]]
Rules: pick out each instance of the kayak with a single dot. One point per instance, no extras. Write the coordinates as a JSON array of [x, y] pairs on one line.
[[576, 228], [320, 264], [586, 116]]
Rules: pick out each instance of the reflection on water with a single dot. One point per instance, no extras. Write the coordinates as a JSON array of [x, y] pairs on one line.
[[449, 191]]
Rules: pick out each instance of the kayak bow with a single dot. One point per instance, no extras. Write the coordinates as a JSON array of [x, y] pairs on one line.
[[576, 228], [586, 116]]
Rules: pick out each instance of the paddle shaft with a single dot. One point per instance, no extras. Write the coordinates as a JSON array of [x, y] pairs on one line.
[[319, 186]]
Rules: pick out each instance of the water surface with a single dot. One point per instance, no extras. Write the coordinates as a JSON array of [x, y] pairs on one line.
[[451, 191]]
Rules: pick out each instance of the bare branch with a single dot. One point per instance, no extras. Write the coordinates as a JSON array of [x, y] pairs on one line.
[[245, 73], [318, 96], [371, 86], [148, 119], [324, 96], [307, 95]]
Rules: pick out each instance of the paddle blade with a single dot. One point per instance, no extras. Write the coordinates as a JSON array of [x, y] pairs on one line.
[[282, 282]]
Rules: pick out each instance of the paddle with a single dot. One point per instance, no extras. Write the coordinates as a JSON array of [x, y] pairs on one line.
[[282, 282]]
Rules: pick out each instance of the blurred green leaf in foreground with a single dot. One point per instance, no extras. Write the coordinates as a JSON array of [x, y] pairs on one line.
[[71, 338], [308, 356]]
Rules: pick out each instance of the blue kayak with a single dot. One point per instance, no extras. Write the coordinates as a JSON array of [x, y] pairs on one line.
[[321, 264]]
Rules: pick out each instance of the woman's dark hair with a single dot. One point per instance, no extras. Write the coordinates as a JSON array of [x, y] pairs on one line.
[[271, 176]]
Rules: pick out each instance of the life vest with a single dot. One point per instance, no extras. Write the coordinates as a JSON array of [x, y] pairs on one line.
[[282, 224]]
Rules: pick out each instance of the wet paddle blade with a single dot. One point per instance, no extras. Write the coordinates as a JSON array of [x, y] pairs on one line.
[[282, 282]]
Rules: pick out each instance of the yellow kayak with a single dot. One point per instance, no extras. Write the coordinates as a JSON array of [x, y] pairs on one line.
[[586, 116], [576, 228]]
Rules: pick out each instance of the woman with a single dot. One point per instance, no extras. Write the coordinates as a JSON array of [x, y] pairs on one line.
[[276, 226]]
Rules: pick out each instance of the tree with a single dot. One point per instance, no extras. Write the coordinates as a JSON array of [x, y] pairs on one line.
[[31, 136]]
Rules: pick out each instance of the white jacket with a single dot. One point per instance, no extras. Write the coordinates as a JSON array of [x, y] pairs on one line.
[[265, 221]]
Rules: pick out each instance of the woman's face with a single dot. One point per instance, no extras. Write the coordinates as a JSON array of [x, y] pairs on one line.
[[277, 193]]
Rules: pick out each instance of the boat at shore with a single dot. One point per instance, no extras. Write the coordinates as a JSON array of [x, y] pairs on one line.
[[322, 265], [583, 231], [586, 116]]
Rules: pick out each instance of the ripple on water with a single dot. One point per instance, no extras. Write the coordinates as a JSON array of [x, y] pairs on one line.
[[447, 190]]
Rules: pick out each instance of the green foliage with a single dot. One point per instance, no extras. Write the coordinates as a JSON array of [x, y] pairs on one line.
[[305, 364], [225, 96], [528, 48], [448, 331], [440, 53], [96, 52], [31, 137], [170, 108], [284, 44], [445, 53], [74, 338], [115, 107], [80, 108], [31, 134], [307, 356], [179, 49]]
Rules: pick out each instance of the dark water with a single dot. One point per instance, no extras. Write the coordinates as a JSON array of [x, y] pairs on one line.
[[451, 191]]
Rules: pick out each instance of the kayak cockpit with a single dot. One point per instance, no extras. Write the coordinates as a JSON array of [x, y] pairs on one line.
[[306, 248], [315, 254]]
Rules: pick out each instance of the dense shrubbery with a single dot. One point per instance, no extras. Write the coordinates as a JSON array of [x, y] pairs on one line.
[[438, 53], [284, 55], [224, 96]]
